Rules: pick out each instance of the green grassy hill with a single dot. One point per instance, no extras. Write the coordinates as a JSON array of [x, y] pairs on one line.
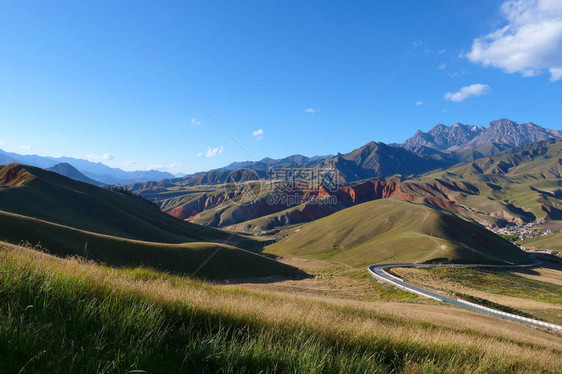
[[46, 195], [203, 259], [395, 231], [552, 241], [519, 185]]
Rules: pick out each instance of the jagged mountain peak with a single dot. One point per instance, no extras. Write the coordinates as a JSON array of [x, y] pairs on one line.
[[503, 131], [442, 137]]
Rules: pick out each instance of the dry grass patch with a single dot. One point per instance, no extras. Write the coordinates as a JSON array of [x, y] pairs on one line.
[[186, 324]]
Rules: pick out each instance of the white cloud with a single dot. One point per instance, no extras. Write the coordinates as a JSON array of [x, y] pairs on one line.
[[310, 110], [258, 134], [529, 44], [465, 92], [94, 157], [211, 152], [25, 146], [2, 142], [195, 122], [442, 66], [555, 74], [416, 43], [442, 51], [419, 103], [173, 165], [129, 162]]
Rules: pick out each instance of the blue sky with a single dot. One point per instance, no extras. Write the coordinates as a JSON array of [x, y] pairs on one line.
[[78, 79]]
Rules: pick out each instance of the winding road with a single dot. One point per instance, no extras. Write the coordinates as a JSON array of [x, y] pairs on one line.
[[378, 272]]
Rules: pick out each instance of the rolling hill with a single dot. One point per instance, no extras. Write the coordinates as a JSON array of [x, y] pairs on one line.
[[46, 195], [395, 231], [520, 185], [70, 217], [552, 241], [203, 259]]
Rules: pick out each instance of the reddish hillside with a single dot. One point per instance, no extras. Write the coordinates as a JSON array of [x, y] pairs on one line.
[[215, 209], [14, 175]]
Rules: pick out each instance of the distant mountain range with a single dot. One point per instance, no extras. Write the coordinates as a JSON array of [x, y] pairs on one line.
[[454, 168], [502, 132], [519, 185], [70, 171], [441, 147], [93, 170]]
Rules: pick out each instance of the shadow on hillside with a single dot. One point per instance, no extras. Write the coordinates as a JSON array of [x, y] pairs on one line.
[[298, 274]]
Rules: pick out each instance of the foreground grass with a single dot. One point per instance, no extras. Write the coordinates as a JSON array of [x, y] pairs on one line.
[[66, 315]]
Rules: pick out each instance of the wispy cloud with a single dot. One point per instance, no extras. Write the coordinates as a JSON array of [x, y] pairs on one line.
[[467, 91], [418, 103], [94, 157], [129, 162], [310, 110], [161, 167], [417, 43], [258, 134], [529, 44], [442, 51], [2, 142], [442, 66], [456, 74], [211, 152], [195, 122], [25, 146]]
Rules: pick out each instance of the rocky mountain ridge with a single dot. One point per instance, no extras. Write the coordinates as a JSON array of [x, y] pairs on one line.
[[502, 132]]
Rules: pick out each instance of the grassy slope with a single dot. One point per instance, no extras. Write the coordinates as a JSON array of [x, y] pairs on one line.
[[67, 316], [395, 231], [49, 196], [210, 260], [538, 296], [552, 241], [527, 177]]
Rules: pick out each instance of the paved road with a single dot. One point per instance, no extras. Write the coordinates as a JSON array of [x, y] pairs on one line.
[[378, 271]]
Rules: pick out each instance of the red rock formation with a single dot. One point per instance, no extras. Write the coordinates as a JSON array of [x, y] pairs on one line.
[[14, 175]]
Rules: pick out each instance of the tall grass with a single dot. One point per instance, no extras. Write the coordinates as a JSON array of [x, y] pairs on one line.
[[70, 316]]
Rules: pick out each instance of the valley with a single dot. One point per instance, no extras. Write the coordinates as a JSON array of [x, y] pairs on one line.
[[240, 264], [267, 187]]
